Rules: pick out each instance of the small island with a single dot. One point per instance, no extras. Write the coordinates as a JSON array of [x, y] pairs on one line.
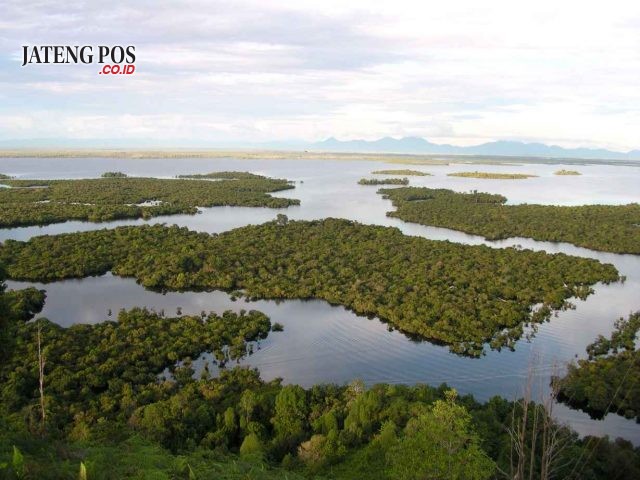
[[383, 181], [607, 228], [613, 365], [492, 175], [223, 176], [567, 172], [406, 172], [116, 197]]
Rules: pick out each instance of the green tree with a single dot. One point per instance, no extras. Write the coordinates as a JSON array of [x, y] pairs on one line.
[[4, 320], [440, 445], [290, 416], [251, 446]]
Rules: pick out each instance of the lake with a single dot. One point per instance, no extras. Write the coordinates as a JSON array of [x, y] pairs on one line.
[[324, 343]]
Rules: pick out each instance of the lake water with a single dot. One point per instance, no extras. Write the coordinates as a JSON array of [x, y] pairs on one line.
[[324, 343]]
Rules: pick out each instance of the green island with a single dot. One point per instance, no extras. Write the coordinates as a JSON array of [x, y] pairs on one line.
[[223, 175], [492, 175], [113, 175], [608, 380], [609, 228], [71, 408], [42, 202], [383, 181], [459, 295], [566, 172], [415, 173], [5, 177]]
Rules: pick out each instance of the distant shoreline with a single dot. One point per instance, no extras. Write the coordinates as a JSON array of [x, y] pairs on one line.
[[400, 158]]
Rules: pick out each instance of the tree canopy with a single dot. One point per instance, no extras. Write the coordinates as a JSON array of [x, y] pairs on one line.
[[459, 295], [609, 228], [41, 202], [608, 380], [112, 411]]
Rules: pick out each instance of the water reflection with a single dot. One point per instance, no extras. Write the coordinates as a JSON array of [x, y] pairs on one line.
[[324, 343]]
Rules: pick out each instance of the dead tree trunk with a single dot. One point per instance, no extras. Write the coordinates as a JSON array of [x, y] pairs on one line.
[[537, 440], [41, 364]]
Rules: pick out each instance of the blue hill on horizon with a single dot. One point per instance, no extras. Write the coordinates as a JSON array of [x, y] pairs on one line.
[[419, 145]]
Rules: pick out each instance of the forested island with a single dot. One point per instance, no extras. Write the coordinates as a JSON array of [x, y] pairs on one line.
[[409, 173], [609, 228], [41, 202], [383, 181], [114, 175], [608, 380], [223, 175], [91, 402], [460, 295], [492, 175]]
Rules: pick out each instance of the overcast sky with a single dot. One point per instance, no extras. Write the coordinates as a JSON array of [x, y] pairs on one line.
[[463, 72]]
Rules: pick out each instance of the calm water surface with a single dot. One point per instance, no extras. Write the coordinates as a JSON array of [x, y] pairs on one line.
[[324, 343]]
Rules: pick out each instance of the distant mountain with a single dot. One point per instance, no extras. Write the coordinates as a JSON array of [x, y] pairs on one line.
[[502, 148], [406, 145]]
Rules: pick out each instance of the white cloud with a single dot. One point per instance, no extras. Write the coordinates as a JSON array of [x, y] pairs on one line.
[[459, 72]]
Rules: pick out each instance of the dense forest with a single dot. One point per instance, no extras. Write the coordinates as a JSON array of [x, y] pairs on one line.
[[608, 380], [415, 173], [92, 402], [40, 202], [609, 228], [492, 175], [383, 181], [459, 295]]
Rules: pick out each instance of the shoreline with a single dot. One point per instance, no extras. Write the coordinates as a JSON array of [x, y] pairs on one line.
[[249, 154]]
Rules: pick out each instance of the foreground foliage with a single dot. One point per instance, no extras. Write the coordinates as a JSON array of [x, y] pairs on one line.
[[459, 295], [110, 415], [610, 228], [95, 372], [608, 380], [41, 202]]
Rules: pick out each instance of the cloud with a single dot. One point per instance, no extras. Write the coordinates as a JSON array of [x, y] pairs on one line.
[[458, 72]]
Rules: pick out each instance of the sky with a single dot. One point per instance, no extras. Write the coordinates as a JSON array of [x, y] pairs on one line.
[[462, 72]]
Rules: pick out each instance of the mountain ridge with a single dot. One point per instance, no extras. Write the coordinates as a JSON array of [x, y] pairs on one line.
[[385, 145], [419, 145]]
